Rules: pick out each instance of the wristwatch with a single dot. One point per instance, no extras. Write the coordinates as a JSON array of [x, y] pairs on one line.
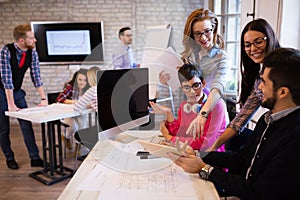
[[204, 172], [204, 114]]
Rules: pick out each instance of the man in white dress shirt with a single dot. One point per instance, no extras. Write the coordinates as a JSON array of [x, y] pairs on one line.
[[123, 58]]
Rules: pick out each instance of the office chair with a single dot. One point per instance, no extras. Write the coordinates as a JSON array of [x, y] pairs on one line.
[[52, 99], [87, 137], [149, 125], [239, 140]]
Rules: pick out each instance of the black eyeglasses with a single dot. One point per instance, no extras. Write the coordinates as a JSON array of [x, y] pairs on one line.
[[206, 32], [258, 43], [195, 86]]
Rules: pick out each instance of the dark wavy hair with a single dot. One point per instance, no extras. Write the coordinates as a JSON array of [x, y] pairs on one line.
[[249, 69]]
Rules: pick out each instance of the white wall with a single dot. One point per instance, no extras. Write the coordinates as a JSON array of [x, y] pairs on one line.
[[283, 15], [290, 24]]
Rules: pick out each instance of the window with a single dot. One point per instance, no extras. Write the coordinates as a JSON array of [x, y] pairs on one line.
[[228, 13]]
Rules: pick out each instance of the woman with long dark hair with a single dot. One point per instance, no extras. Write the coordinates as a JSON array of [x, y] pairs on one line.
[[73, 89], [257, 39]]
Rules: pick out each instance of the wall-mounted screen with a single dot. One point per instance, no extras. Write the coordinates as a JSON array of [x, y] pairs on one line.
[[69, 42]]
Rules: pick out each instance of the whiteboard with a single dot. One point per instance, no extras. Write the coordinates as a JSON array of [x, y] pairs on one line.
[[157, 56], [158, 36]]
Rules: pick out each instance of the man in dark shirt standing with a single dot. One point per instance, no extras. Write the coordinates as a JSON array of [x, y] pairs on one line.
[[268, 165], [15, 59]]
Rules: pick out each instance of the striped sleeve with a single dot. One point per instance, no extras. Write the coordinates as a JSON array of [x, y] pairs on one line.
[[87, 99]]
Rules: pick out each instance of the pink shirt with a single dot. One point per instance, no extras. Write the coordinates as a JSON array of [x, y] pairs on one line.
[[215, 125]]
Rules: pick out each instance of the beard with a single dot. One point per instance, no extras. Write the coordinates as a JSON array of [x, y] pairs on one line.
[[269, 102], [30, 46]]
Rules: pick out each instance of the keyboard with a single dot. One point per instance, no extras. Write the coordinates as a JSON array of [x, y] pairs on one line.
[[157, 140]]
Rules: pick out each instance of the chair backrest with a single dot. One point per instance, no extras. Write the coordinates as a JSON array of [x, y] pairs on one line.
[[150, 125], [52, 97], [231, 107], [89, 136]]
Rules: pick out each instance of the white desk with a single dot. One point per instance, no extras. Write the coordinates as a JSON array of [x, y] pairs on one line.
[[53, 170], [106, 156], [45, 114]]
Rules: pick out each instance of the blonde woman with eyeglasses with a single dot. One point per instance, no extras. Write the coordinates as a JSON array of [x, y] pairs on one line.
[[204, 47]]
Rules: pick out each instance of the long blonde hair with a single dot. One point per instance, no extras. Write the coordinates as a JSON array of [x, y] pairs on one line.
[[188, 40], [92, 75]]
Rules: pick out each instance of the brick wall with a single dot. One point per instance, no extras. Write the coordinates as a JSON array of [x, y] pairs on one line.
[[138, 14]]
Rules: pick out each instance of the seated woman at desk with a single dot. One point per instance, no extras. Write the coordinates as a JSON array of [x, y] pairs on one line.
[[73, 89], [192, 84], [89, 99]]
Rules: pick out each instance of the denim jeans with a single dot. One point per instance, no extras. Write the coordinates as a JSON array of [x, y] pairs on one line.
[[26, 127]]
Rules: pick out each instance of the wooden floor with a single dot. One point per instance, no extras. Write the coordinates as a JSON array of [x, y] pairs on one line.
[[16, 184]]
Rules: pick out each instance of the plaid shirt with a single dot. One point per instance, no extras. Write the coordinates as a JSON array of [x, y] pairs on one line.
[[68, 93], [6, 72], [248, 109]]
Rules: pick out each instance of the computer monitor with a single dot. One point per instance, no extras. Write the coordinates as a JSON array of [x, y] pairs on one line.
[[123, 97]]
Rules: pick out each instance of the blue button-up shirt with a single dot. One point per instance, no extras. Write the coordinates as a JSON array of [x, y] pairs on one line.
[[215, 66], [123, 58]]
